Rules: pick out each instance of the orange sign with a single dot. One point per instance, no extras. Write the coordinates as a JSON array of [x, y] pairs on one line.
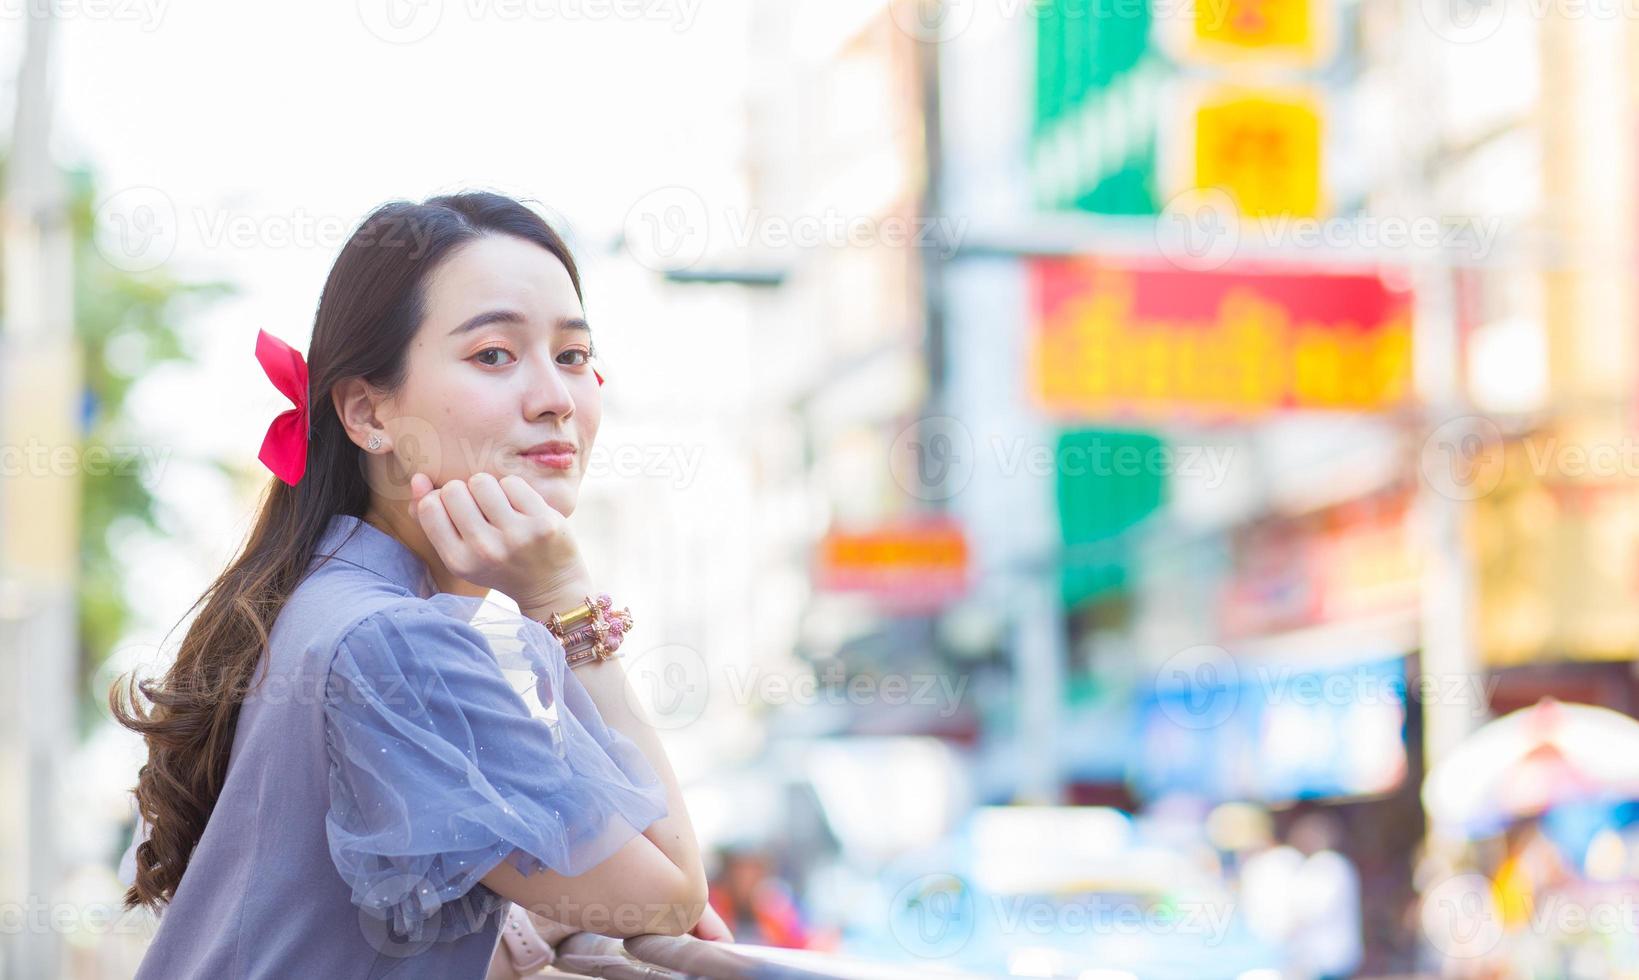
[[1151, 342], [916, 562]]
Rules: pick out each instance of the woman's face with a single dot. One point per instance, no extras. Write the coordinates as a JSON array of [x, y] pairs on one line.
[[500, 377]]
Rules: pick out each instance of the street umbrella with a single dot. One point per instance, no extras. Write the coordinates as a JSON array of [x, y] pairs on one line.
[[1530, 760]]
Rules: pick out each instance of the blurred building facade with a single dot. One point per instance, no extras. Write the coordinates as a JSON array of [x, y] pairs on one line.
[[1426, 552]]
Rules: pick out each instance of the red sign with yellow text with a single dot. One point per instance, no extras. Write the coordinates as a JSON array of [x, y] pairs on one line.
[[1118, 339]]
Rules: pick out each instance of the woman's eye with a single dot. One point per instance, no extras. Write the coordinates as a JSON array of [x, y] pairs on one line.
[[584, 356], [492, 350]]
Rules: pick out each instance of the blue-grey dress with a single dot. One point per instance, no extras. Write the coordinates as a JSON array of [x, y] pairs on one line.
[[399, 744]]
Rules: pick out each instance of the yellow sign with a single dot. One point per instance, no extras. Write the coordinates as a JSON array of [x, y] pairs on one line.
[[1262, 147], [1291, 33]]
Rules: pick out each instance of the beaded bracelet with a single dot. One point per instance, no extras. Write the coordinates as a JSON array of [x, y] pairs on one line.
[[592, 630]]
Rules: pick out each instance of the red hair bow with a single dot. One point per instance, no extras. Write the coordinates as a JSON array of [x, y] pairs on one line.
[[284, 449]]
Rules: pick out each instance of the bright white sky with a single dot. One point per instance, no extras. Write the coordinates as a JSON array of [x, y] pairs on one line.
[[284, 125], [271, 120]]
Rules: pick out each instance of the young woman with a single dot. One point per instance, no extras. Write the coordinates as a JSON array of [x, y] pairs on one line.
[[343, 778]]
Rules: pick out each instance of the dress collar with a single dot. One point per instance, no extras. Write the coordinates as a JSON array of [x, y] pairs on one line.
[[358, 542]]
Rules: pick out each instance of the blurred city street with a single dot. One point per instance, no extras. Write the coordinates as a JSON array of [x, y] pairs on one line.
[[1109, 489]]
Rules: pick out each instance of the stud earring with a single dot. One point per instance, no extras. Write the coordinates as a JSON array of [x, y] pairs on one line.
[[374, 443]]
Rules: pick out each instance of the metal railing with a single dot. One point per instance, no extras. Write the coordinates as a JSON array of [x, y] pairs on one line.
[[681, 957]]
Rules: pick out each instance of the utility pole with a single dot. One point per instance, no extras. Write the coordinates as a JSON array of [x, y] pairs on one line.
[[40, 446]]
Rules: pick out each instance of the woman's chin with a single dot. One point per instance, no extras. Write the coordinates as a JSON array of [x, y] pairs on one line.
[[558, 494]]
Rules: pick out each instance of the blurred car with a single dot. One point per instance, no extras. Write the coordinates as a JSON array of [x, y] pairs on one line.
[[1059, 892]]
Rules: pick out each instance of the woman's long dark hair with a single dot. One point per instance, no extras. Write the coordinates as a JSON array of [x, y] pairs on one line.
[[372, 305]]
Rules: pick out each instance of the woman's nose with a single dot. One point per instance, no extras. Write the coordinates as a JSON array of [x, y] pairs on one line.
[[549, 395]]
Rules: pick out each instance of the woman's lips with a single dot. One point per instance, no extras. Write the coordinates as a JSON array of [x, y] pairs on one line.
[[552, 460]]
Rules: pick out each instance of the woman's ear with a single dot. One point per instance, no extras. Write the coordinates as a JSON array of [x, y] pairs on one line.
[[357, 402]]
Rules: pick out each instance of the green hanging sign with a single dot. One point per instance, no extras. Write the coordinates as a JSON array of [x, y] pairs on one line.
[[1098, 80], [1108, 481]]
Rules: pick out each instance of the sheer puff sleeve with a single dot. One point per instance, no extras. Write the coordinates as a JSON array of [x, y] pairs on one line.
[[458, 738]]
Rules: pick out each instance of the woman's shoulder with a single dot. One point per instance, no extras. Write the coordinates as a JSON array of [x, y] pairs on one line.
[[326, 606], [446, 630], [357, 571], [431, 633]]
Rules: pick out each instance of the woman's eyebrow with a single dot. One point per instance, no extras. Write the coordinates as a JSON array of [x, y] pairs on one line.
[[488, 317], [513, 316]]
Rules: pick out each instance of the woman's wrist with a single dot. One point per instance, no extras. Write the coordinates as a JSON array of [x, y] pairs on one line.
[[551, 607], [557, 597]]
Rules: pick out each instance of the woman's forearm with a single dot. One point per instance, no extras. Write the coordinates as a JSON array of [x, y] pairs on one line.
[[605, 681], [673, 834]]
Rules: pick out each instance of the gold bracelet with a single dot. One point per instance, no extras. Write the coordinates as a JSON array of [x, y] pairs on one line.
[[591, 630]]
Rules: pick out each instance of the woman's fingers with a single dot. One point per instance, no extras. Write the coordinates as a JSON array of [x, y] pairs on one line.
[[481, 522], [492, 501], [481, 539], [711, 927], [420, 485], [551, 931], [525, 499], [435, 521]]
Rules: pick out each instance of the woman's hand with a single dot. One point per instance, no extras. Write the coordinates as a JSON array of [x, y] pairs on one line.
[[711, 927], [503, 535]]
